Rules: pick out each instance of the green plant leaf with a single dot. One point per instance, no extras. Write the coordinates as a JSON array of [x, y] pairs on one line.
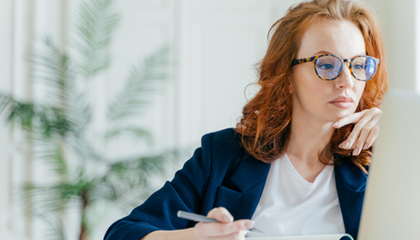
[[128, 182], [56, 229], [95, 23], [33, 118], [53, 69], [135, 132], [45, 199], [7, 103], [52, 153], [84, 180], [143, 81]]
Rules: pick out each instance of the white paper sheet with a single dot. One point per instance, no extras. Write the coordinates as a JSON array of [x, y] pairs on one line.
[[312, 237]]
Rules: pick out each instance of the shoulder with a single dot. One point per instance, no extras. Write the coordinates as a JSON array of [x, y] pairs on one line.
[[222, 139], [230, 165], [222, 149], [224, 144]]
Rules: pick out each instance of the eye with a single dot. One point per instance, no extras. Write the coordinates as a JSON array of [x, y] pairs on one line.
[[358, 66], [325, 66]]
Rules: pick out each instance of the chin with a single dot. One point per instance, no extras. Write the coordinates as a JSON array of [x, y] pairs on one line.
[[343, 113]]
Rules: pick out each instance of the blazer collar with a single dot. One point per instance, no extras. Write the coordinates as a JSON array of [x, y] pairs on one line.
[[351, 185], [250, 173], [351, 175], [250, 177]]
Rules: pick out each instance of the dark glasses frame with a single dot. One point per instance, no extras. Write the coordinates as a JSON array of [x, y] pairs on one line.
[[315, 58]]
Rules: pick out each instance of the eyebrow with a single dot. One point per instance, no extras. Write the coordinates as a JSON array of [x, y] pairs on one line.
[[328, 52]]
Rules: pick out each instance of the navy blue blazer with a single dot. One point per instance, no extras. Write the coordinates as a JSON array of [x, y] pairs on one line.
[[222, 173]]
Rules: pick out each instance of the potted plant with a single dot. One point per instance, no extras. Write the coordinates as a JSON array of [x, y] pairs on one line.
[[86, 181]]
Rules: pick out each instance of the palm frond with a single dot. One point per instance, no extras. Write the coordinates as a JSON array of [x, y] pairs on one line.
[[141, 84], [133, 131], [23, 115], [78, 111], [96, 213], [52, 67], [58, 128], [55, 197], [7, 103], [54, 70], [35, 118], [126, 177], [84, 149], [55, 230], [52, 121], [45, 200], [51, 152], [95, 23]]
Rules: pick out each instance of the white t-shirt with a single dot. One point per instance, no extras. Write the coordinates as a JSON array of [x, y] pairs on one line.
[[292, 206]]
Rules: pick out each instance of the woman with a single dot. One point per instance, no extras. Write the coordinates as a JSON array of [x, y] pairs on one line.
[[297, 162]]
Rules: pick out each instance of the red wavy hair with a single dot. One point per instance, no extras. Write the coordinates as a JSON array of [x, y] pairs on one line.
[[265, 123]]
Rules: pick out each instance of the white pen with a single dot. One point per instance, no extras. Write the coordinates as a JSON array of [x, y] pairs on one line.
[[201, 218]]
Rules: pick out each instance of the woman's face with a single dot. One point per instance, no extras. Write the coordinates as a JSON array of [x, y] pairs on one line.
[[317, 99]]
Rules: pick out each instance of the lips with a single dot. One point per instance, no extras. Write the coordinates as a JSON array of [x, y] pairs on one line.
[[342, 102], [342, 99]]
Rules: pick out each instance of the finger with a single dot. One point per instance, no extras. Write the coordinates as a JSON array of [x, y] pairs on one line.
[[369, 134], [365, 131], [355, 117], [372, 137], [370, 120], [352, 118], [221, 214], [360, 142], [205, 230], [353, 145]]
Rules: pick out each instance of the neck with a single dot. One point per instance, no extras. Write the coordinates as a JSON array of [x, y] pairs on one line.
[[308, 139]]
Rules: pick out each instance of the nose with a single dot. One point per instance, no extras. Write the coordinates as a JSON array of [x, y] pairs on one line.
[[346, 79]]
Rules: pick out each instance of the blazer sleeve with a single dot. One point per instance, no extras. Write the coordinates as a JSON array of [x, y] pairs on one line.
[[185, 192]]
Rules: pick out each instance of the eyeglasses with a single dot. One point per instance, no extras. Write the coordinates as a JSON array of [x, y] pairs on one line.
[[329, 66]]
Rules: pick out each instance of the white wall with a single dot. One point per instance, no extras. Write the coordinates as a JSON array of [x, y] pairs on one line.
[[399, 24], [216, 42]]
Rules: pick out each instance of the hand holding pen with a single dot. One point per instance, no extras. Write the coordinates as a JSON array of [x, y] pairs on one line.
[[221, 225]]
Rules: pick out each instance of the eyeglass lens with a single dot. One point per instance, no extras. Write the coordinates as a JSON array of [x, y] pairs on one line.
[[330, 67]]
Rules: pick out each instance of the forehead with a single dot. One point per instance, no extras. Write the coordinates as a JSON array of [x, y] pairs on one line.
[[342, 38]]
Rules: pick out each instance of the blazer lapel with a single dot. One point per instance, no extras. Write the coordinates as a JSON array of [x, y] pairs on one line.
[[251, 175], [249, 178], [351, 185]]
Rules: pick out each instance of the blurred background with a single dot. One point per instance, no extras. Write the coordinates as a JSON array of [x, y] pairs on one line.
[[101, 101]]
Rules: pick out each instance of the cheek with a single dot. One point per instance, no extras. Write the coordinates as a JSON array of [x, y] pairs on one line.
[[359, 89], [307, 84], [305, 81], [311, 92]]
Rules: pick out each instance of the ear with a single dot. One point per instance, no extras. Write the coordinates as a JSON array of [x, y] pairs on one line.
[[291, 86]]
